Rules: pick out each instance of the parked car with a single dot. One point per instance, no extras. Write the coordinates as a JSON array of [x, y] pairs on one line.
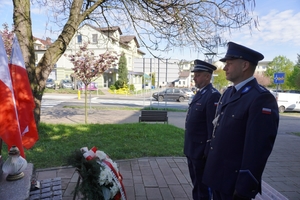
[[188, 92], [91, 86], [287, 100], [50, 83], [294, 91], [66, 84], [170, 94]]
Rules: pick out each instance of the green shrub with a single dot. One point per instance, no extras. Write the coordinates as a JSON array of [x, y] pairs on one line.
[[131, 87], [112, 87], [119, 84]]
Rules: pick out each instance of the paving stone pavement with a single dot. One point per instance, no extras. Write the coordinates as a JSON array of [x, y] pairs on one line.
[[167, 178]]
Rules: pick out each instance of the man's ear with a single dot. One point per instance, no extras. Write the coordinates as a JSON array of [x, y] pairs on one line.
[[246, 65]]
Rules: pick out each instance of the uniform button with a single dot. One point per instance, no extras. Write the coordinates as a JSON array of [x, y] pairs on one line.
[[236, 171], [222, 113], [218, 124], [211, 148], [232, 115]]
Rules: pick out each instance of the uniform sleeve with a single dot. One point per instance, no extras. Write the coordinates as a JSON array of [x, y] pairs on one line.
[[211, 107], [261, 131]]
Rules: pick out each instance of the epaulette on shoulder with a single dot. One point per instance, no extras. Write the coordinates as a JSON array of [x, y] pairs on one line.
[[228, 88], [262, 88], [213, 90]]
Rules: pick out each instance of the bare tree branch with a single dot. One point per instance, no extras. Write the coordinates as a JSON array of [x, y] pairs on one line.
[[160, 25]]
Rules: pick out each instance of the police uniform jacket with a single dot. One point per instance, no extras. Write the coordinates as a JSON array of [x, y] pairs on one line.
[[198, 126], [245, 131]]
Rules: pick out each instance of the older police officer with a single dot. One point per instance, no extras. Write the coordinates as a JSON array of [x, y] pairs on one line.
[[198, 126], [246, 125]]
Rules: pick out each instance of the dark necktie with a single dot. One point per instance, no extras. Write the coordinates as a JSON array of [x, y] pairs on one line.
[[233, 90]]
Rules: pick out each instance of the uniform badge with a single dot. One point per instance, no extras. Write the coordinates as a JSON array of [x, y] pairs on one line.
[[246, 89], [266, 111]]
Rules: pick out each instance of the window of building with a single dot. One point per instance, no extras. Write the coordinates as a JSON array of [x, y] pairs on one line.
[[95, 38], [79, 39]]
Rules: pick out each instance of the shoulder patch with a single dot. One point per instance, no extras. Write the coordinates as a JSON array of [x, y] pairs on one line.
[[246, 89]]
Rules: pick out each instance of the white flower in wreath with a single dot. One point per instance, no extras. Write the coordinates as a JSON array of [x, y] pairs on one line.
[[105, 177]]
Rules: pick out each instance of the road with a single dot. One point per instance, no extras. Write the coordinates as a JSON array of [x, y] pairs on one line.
[[51, 100], [289, 122]]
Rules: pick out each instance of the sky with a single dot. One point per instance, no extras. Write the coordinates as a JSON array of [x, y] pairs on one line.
[[278, 33]]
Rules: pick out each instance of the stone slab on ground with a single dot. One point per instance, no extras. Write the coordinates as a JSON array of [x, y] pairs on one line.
[[19, 189]]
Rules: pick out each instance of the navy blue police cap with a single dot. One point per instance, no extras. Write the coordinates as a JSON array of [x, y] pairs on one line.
[[237, 51], [200, 65]]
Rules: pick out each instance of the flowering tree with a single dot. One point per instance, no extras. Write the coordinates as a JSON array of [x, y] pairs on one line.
[[7, 37], [262, 79], [88, 66]]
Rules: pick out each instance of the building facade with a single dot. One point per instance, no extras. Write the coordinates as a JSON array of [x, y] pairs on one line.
[[100, 40]]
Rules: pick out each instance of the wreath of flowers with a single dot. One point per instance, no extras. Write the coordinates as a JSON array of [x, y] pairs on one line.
[[100, 176]]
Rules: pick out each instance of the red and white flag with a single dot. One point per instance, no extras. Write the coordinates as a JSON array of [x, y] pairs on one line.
[[9, 123], [23, 95]]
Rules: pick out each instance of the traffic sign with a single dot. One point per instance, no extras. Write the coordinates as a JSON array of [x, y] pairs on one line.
[[279, 77]]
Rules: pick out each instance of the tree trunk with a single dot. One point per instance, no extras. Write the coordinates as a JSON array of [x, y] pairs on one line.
[[85, 104], [39, 74]]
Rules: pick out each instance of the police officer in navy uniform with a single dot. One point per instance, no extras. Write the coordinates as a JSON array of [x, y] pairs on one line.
[[245, 129], [198, 126]]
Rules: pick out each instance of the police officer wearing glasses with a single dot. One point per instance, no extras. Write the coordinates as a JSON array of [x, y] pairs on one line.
[[198, 126], [245, 129]]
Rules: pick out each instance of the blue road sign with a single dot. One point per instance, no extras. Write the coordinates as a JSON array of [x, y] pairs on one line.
[[279, 77]]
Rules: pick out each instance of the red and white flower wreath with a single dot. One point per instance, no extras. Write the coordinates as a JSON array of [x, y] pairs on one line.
[[110, 174]]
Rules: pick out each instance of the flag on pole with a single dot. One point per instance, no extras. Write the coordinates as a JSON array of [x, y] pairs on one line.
[[9, 123], [23, 95]]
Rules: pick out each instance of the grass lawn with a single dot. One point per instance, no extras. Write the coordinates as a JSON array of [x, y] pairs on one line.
[[119, 141]]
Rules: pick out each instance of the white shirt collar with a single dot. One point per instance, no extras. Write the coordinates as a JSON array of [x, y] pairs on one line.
[[241, 84]]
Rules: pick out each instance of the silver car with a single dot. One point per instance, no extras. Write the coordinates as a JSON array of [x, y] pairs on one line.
[[66, 84], [50, 83]]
